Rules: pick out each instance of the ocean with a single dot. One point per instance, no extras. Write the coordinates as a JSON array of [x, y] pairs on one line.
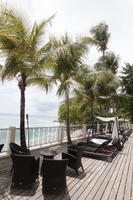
[[7, 120]]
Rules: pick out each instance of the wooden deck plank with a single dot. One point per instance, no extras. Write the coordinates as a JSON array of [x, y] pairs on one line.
[[117, 182], [91, 181], [128, 189], [112, 179], [75, 186], [103, 181], [122, 187]]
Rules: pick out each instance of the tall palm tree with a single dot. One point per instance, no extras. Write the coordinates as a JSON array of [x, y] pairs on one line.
[[86, 92], [68, 59], [93, 86], [25, 58], [107, 85], [111, 63], [100, 37]]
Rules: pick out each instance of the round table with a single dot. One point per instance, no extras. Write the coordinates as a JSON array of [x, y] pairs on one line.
[[47, 154]]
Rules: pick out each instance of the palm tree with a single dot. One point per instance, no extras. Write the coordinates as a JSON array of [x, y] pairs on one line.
[[107, 85], [68, 59], [25, 58], [99, 38], [111, 63], [86, 92], [95, 88]]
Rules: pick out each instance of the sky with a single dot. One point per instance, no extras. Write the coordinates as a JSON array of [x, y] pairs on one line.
[[76, 17]]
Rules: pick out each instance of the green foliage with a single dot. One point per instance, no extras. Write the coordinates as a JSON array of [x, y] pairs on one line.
[[99, 37], [110, 62], [78, 114], [127, 88]]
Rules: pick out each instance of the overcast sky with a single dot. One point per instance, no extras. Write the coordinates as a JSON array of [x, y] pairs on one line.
[[75, 17]]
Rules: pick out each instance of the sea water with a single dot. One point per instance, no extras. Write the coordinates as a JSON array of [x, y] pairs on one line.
[[38, 126], [7, 120]]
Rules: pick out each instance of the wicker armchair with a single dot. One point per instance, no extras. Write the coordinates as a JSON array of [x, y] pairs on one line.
[[25, 169], [16, 149], [74, 159], [54, 175], [1, 146]]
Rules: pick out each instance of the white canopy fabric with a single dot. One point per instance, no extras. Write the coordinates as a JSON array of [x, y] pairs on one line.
[[123, 120], [115, 127], [106, 119]]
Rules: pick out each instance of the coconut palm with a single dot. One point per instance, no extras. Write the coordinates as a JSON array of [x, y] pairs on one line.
[[100, 37], [107, 85], [25, 58], [86, 92], [68, 59], [95, 88], [111, 63]]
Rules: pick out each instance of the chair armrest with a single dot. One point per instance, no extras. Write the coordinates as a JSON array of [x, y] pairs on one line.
[[68, 156]]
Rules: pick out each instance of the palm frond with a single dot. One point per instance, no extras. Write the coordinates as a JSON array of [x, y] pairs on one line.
[[43, 81], [37, 32], [15, 25]]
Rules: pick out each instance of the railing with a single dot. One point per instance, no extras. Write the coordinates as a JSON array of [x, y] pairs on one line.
[[38, 136], [75, 132]]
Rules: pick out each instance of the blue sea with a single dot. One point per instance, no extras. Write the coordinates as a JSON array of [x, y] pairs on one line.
[[7, 120]]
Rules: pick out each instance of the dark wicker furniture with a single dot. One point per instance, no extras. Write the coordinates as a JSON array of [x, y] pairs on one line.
[[25, 169], [16, 149], [54, 175], [74, 159]]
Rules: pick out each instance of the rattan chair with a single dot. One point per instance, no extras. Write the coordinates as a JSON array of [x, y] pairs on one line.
[[25, 169], [74, 159], [16, 149], [54, 175]]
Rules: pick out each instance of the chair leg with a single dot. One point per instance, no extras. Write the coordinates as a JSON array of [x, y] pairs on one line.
[[76, 172], [11, 169], [82, 167]]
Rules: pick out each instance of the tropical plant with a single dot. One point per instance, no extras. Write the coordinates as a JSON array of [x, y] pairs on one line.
[[127, 88], [68, 59], [25, 58], [99, 38], [95, 88], [110, 63]]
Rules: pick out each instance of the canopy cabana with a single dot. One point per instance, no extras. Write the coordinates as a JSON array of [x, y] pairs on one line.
[[111, 119]]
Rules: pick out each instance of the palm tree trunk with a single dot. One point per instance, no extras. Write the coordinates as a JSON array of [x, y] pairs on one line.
[[103, 55], [67, 118], [22, 111], [92, 118]]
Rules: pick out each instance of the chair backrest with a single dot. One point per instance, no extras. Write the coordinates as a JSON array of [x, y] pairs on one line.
[[54, 168], [76, 153], [1, 146], [16, 149], [54, 175], [25, 168]]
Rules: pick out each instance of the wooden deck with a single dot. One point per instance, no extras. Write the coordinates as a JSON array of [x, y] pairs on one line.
[[99, 181]]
